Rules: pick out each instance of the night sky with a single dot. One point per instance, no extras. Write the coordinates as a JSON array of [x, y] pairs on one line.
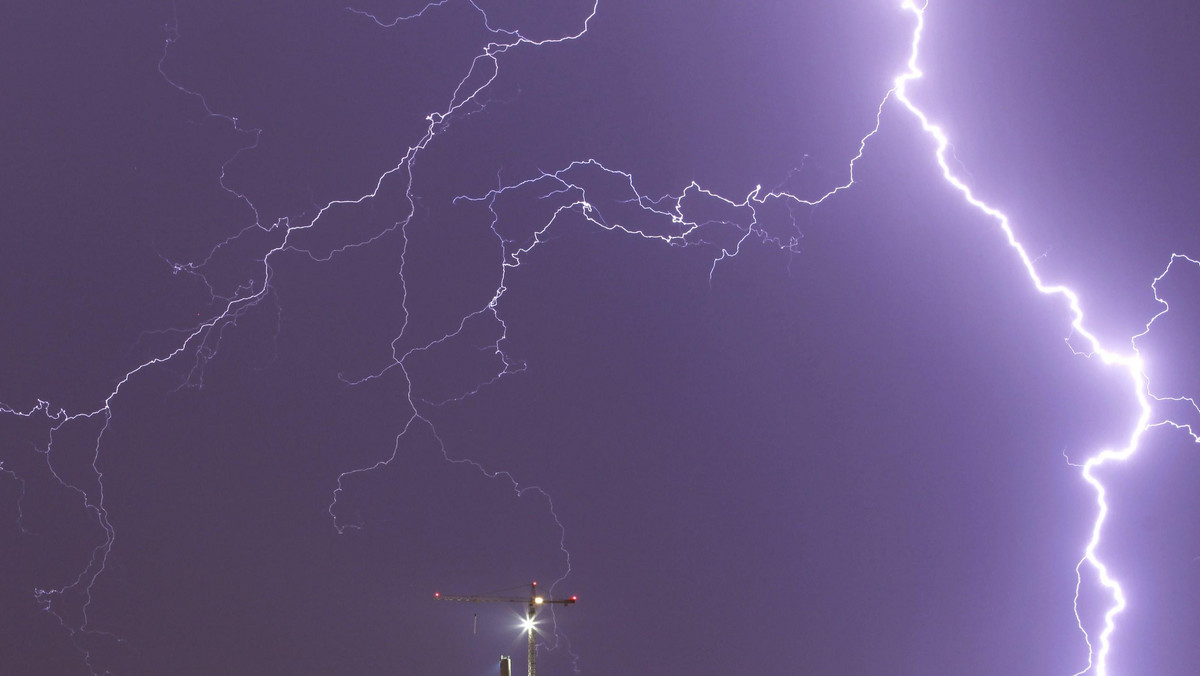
[[250, 249]]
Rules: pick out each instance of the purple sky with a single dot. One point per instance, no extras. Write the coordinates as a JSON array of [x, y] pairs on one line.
[[844, 455]]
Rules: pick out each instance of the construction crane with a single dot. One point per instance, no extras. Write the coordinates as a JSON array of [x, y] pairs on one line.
[[535, 602]]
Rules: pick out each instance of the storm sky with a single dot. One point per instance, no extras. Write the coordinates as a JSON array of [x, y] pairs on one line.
[[848, 449]]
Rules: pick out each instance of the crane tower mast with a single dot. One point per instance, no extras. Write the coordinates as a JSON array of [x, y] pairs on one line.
[[533, 603]]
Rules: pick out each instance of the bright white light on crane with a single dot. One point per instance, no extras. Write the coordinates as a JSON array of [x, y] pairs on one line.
[[528, 625], [539, 600]]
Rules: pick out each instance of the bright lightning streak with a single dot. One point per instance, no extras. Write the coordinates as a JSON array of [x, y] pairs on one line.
[[665, 219], [1130, 362], [680, 230]]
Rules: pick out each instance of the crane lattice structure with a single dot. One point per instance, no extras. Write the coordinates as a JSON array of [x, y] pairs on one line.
[[535, 603]]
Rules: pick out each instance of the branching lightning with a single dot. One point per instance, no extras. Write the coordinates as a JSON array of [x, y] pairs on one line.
[[201, 342], [1130, 362], [571, 190]]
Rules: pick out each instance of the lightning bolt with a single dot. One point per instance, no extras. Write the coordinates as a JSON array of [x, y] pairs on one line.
[[606, 198], [201, 343], [678, 229], [1130, 362]]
